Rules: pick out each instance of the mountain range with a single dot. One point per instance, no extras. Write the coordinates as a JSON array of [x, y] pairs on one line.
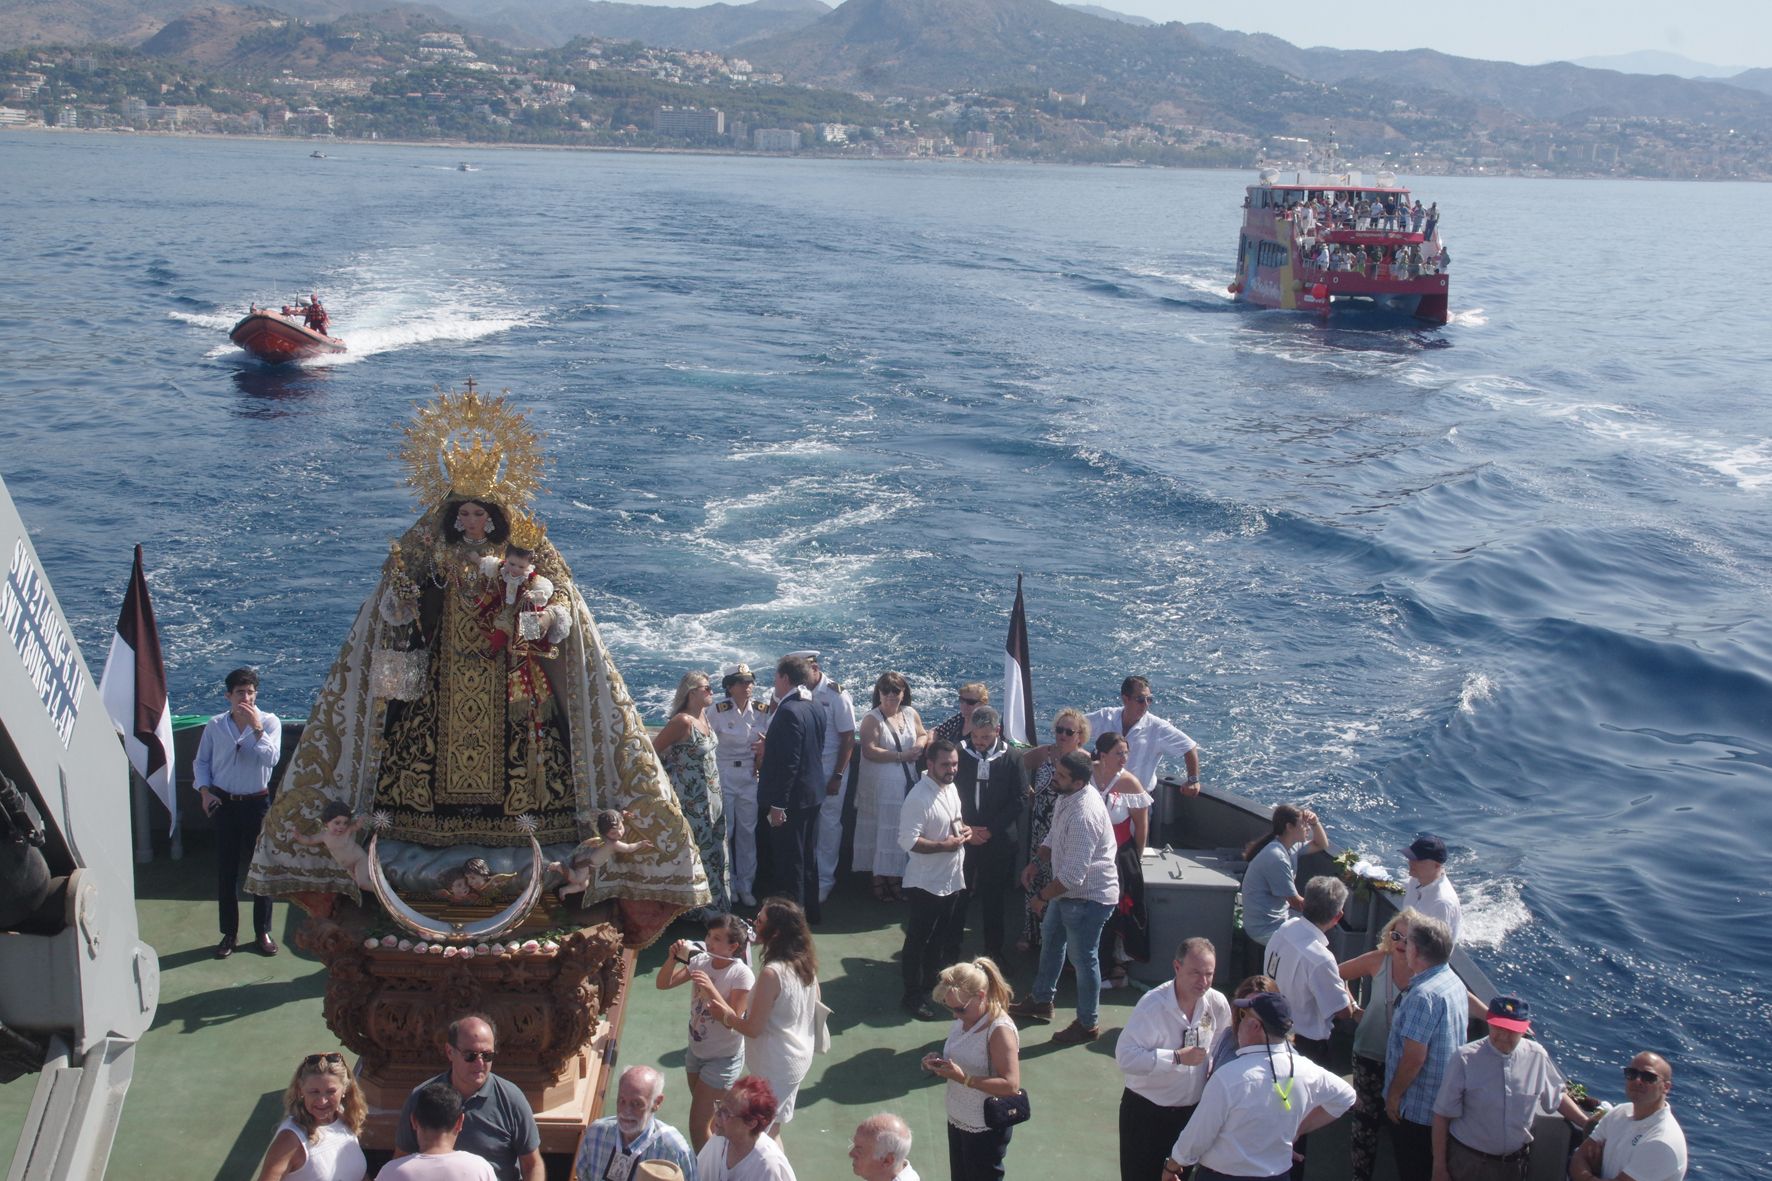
[[1175, 75]]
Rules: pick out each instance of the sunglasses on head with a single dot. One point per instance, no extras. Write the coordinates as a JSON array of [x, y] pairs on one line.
[[476, 1055], [1632, 1074], [317, 1059]]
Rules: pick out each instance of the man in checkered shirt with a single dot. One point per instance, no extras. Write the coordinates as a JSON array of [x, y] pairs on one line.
[[1427, 1028]]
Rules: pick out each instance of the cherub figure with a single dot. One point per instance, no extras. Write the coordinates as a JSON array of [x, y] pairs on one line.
[[338, 833], [591, 855], [484, 885]]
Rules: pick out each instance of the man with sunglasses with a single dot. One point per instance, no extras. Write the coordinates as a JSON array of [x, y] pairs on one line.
[[497, 1122], [1148, 737], [1639, 1140]]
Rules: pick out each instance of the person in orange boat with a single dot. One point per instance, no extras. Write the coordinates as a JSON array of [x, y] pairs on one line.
[[314, 314]]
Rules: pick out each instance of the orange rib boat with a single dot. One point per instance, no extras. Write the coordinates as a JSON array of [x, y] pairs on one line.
[[276, 339]]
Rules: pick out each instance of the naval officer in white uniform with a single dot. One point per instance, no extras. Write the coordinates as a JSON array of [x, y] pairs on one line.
[[738, 725]]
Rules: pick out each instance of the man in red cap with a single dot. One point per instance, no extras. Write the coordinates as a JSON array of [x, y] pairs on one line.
[[1493, 1090]]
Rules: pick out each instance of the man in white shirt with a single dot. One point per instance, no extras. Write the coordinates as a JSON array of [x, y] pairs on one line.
[[881, 1150], [1305, 971], [1639, 1140], [1162, 1053], [931, 831], [1254, 1108], [1148, 737], [739, 725], [1429, 891], [839, 745], [1074, 906]]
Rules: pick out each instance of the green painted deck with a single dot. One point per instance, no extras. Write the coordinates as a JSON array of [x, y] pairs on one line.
[[210, 1074]]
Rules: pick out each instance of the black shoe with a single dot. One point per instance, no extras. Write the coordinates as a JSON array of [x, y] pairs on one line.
[[225, 948], [265, 945], [918, 1007]]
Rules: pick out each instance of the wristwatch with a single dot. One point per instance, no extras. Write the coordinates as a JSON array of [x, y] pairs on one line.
[[1172, 1169]]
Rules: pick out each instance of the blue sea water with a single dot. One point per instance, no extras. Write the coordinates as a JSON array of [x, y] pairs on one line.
[[1506, 579]]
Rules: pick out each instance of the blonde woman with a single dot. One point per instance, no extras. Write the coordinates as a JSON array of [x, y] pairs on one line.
[[323, 1115], [1070, 731], [981, 1058], [686, 747]]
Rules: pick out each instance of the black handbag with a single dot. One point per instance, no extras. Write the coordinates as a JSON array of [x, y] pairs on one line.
[[1005, 1112]]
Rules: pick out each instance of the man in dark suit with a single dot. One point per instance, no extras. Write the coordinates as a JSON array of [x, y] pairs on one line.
[[993, 793], [791, 783]]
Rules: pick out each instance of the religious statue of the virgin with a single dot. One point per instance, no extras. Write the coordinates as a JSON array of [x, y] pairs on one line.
[[473, 704]]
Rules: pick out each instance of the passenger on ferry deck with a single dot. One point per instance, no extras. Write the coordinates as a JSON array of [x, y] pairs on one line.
[[1255, 1108], [613, 1145], [1641, 1139], [839, 747], [993, 791], [1429, 891], [1270, 889], [235, 758], [1387, 966], [497, 1122], [791, 780], [1495, 1087], [934, 837], [437, 1121], [881, 1149], [972, 695], [323, 1112], [1427, 1028], [1163, 1057], [1148, 737], [1224, 1046], [1433, 220]]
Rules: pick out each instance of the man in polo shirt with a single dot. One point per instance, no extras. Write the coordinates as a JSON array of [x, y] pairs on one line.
[[235, 758], [1641, 1139], [496, 1120], [1162, 1053], [931, 830], [1304, 969], [1427, 1027], [1148, 737], [1429, 891], [1257, 1105], [615, 1145], [1494, 1089]]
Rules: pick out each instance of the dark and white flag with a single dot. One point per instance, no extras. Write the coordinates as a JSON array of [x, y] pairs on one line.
[[1018, 684], [133, 689]]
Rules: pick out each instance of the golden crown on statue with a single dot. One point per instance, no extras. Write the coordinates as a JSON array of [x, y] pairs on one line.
[[526, 531], [466, 446]]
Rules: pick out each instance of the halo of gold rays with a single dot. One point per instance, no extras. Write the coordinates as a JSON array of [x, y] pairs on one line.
[[472, 447]]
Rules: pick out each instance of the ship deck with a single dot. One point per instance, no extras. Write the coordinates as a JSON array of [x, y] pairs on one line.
[[210, 1074]]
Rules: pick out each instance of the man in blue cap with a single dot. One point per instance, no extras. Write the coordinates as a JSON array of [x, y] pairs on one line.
[[1429, 892], [1493, 1090], [1257, 1105]]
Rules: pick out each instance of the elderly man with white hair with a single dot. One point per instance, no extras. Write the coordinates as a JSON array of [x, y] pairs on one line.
[[881, 1149], [615, 1145]]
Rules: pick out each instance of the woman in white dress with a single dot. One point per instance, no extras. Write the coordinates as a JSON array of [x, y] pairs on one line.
[[780, 1018], [739, 1149], [892, 738], [981, 1058], [323, 1115]]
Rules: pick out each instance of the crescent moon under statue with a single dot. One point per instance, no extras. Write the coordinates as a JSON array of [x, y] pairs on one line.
[[428, 928]]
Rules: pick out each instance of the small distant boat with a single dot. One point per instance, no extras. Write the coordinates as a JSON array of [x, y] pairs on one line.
[[276, 339], [318, 156], [464, 166]]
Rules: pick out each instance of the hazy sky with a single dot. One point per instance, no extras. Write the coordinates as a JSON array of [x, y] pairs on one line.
[[1721, 32]]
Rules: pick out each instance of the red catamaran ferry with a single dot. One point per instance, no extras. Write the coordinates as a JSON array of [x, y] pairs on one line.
[[1319, 241]]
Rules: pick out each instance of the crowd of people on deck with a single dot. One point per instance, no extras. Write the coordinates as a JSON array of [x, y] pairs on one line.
[[1356, 211], [1381, 262], [1227, 1088]]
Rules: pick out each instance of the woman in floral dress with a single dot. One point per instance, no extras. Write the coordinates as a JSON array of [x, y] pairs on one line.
[[686, 747], [1070, 731]]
